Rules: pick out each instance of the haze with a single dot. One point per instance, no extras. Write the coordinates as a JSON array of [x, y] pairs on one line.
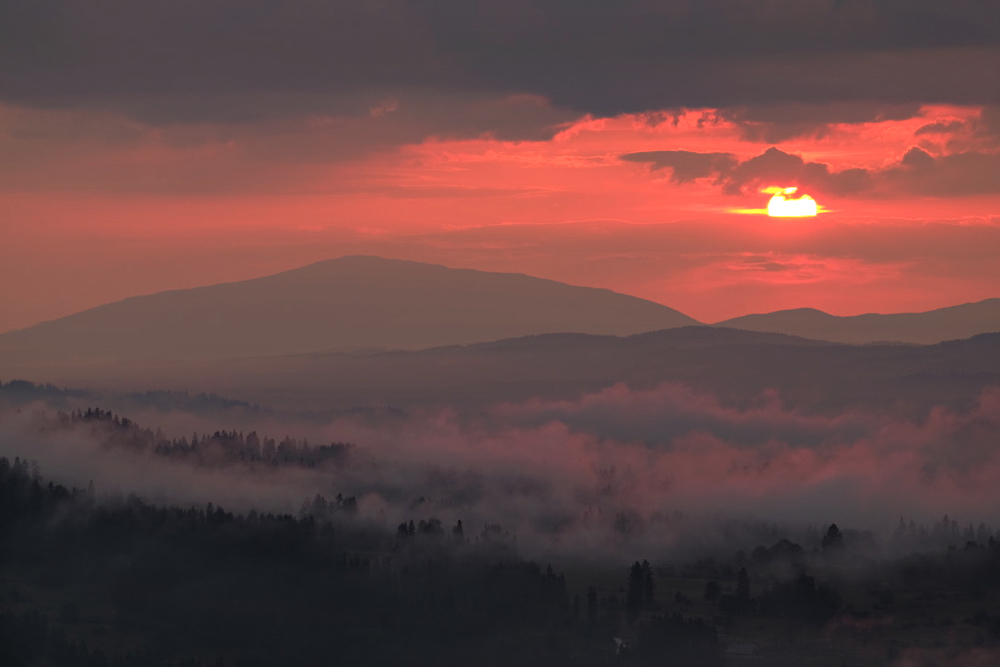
[[463, 332]]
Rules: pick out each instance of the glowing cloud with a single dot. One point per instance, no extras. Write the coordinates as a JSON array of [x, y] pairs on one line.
[[784, 206]]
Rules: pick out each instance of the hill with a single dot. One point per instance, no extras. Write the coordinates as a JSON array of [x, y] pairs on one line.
[[925, 328], [350, 303], [737, 367]]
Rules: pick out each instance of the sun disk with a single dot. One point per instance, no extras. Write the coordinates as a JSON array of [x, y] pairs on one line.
[[784, 206]]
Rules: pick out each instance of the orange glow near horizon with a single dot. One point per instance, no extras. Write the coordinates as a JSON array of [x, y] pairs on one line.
[[784, 204], [93, 220]]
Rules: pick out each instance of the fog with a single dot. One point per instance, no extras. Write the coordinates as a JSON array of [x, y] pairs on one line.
[[667, 471]]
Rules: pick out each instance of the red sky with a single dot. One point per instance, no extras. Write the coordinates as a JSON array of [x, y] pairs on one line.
[[98, 207], [154, 145]]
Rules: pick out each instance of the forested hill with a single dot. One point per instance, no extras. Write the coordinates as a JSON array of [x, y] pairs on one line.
[[91, 582], [218, 448]]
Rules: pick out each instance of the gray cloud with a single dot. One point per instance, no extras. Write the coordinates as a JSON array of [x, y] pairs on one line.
[[774, 123], [686, 166], [224, 59], [990, 120], [940, 127], [916, 172], [966, 173], [103, 149]]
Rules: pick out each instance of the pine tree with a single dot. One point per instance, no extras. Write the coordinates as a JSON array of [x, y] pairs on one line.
[[834, 539], [648, 585], [633, 596], [743, 587]]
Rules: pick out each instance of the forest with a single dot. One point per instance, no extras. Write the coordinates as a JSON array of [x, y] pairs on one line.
[[123, 582], [95, 579]]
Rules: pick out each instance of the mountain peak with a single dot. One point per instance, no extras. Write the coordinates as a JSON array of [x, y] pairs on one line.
[[351, 302]]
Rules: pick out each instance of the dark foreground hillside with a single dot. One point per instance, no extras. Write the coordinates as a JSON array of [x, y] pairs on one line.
[[88, 582], [101, 581]]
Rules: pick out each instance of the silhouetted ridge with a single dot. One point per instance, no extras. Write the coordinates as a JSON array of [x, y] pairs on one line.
[[951, 323], [350, 303], [678, 337]]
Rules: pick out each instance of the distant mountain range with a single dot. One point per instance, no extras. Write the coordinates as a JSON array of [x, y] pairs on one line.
[[361, 303], [926, 328], [738, 368], [350, 303]]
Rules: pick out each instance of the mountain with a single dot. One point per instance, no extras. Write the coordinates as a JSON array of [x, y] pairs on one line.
[[926, 328], [350, 303], [738, 367], [741, 368]]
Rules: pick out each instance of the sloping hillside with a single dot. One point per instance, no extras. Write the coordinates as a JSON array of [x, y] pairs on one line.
[[350, 303]]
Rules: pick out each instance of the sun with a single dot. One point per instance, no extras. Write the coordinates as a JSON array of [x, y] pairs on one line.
[[784, 204]]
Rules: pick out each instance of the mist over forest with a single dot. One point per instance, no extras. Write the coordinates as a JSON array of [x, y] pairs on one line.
[[618, 466], [693, 495], [626, 526], [519, 333]]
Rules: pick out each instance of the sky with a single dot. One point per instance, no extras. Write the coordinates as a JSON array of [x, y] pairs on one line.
[[160, 144]]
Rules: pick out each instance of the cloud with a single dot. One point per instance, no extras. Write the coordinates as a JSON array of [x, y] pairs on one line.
[[957, 174], [155, 150], [773, 166], [774, 123], [917, 172], [941, 127], [686, 166], [776, 166], [990, 120], [221, 59]]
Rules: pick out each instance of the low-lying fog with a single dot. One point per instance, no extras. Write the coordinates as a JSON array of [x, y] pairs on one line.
[[659, 472]]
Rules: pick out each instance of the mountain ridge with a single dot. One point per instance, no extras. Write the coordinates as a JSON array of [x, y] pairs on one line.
[[368, 303], [351, 302], [732, 364], [922, 328]]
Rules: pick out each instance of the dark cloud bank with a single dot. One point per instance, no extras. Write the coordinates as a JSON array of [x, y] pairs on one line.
[[327, 81], [228, 60]]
